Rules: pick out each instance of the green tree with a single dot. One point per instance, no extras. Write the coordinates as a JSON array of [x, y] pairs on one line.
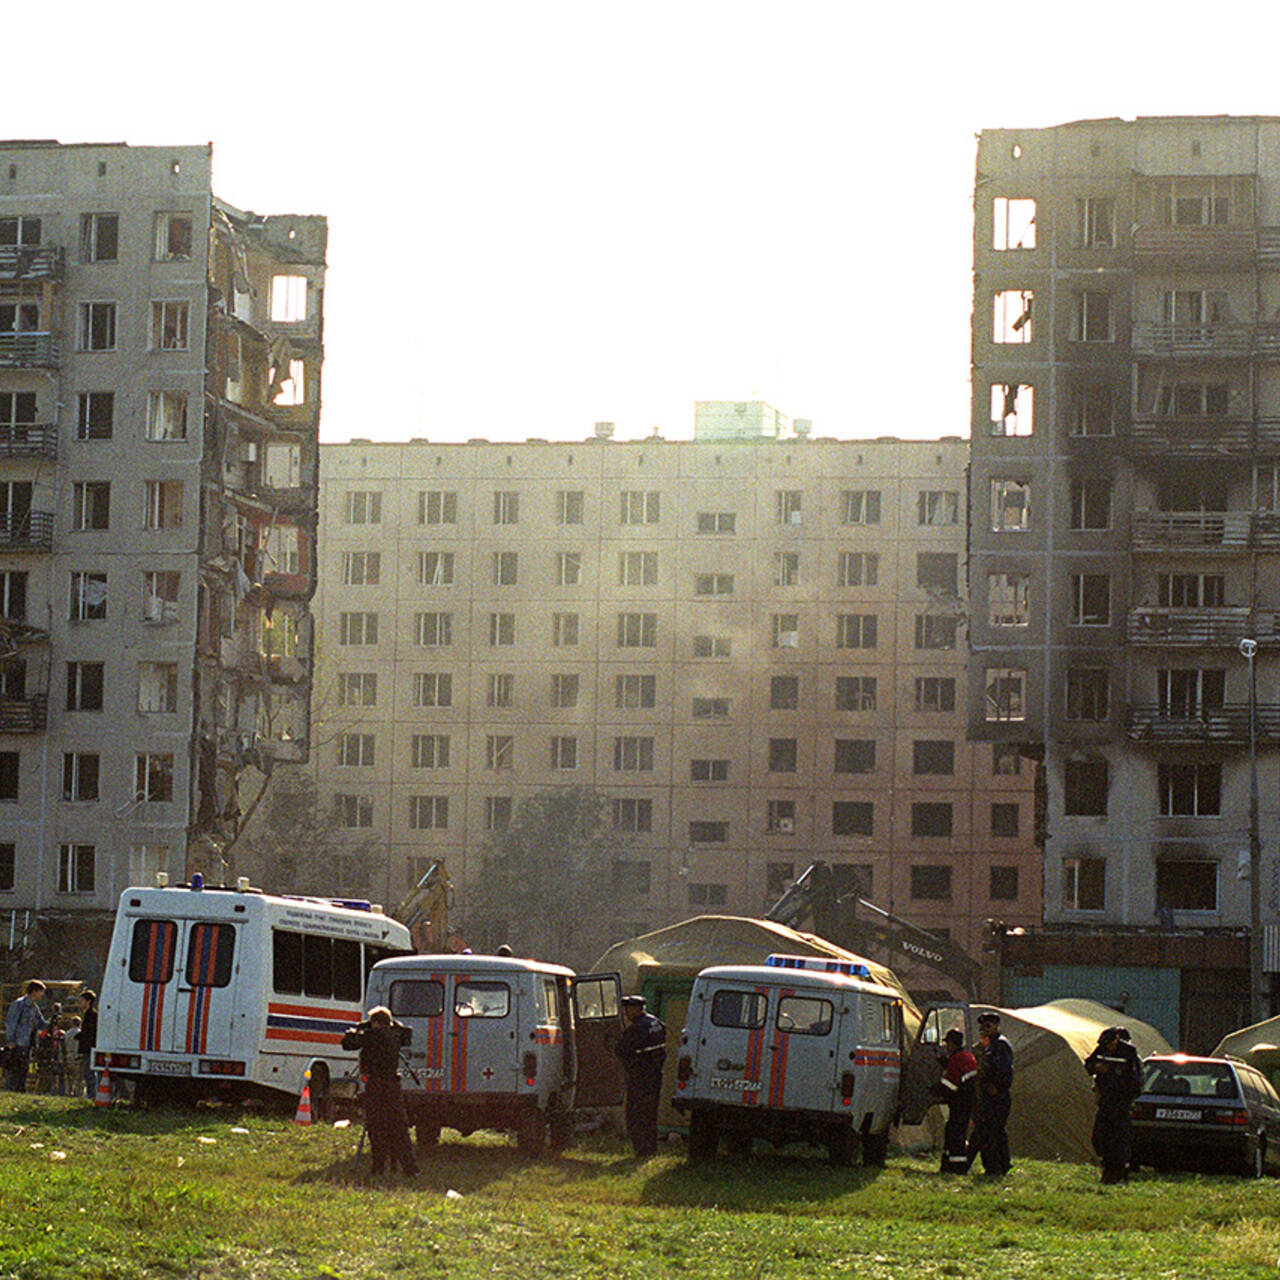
[[546, 886]]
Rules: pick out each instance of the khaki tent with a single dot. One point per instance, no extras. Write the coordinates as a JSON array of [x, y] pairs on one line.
[[1258, 1045], [1053, 1100], [662, 965]]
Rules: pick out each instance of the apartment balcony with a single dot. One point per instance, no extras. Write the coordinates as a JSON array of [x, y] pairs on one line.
[[1202, 437], [1191, 530], [25, 715], [1269, 246], [30, 532], [1169, 627], [1220, 341], [29, 351], [1162, 244], [1227, 724], [32, 262], [28, 440]]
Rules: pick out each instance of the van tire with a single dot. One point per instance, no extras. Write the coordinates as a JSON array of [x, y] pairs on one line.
[[740, 1145], [427, 1133], [842, 1146], [875, 1149], [560, 1129], [321, 1097], [704, 1141], [531, 1132]]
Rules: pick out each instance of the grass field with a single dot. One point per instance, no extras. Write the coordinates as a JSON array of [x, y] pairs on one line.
[[88, 1192]]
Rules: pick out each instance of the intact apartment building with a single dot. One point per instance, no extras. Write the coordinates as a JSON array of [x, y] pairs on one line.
[[752, 643], [160, 360], [1125, 540]]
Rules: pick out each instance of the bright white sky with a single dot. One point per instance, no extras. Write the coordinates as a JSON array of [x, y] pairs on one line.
[[546, 214]]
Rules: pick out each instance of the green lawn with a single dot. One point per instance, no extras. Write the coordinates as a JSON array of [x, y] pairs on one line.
[[89, 1192]]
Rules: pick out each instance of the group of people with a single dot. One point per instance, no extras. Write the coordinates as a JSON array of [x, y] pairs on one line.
[[976, 1089], [62, 1055]]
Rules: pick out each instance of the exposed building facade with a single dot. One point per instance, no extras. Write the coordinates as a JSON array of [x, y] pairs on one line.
[[160, 360], [752, 643], [1125, 537]]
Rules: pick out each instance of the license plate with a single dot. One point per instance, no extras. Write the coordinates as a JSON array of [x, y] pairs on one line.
[[1176, 1113], [164, 1068]]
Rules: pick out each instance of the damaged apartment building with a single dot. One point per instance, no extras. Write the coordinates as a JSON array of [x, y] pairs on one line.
[[160, 356]]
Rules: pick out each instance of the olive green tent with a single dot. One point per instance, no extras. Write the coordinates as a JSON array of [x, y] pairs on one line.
[[662, 965], [1258, 1045], [1053, 1101]]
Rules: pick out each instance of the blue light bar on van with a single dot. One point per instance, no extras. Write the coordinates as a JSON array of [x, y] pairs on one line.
[[854, 968], [352, 904]]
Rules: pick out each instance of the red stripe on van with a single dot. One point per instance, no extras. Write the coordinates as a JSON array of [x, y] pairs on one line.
[[459, 1073], [755, 1051], [778, 1068], [548, 1035], [310, 1037], [346, 1016]]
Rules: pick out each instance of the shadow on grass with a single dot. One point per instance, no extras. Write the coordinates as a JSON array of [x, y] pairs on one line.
[[765, 1181], [67, 1114]]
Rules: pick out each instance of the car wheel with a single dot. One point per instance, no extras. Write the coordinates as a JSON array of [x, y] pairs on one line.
[[875, 1149], [842, 1146], [703, 1138]]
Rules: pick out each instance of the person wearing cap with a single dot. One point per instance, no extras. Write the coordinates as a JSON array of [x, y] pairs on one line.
[[1117, 1081], [643, 1049], [990, 1137], [957, 1089]]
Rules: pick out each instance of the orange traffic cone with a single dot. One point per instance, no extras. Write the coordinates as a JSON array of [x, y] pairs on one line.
[[304, 1103], [103, 1097]]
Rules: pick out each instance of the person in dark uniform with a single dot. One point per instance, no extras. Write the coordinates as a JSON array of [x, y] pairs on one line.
[[643, 1049], [380, 1040], [1117, 1080], [991, 1109], [957, 1089]]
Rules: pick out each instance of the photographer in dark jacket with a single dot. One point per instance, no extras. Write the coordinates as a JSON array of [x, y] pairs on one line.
[[1117, 1080], [380, 1040]]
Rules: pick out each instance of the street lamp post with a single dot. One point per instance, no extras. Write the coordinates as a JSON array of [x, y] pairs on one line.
[[1249, 648]]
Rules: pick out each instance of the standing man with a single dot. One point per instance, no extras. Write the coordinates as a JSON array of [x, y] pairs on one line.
[[991, 1109], [1117, 1080], [380, 1040], [22, 1024], [643, 1049], [957, 1089]]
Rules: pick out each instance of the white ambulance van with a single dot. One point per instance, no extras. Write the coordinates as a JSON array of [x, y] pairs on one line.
[[799, 1049], [230, 992], [502, 1043]]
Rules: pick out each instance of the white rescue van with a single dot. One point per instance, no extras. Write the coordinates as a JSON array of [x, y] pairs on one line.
[[214, 991], [799, 1049], [502, 1043]]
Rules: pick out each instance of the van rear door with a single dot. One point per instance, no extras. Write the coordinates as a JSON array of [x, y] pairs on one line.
[[205, 995], [924, 1067], [597, 1021], [483, 1032], [153, 954], [801, 1050]]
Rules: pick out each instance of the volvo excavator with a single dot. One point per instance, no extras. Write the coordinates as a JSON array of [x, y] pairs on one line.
[[860, 926], [425, 911]]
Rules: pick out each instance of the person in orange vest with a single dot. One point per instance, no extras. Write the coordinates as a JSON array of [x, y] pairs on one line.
[[958, 1089]]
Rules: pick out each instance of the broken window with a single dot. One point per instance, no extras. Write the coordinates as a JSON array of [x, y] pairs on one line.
[[430, 689], [437, 506], [95, 417], [157, 686], [288, 299], [90, 504], [1084, 884], [1192, 790], [1084, 788], [1186, 884], [857, 569], [1009, 599], [931, 818], [499, 751], [708, 833], [169, 325], [935, 693], [855, 693], [1088, 694], [860, 506], [937, 571], [88, 596], [1005, 694], [153, 777], [99, 237], [780, 817], [633, 755], [1012, 409], [856, 630], [435, 568], [637, 568], [639, 507], [162, 504], [1096, 222], [97, 331], [564, 630], [784, 632], [1090, 505], [293, 389], [80, 771], [1013, 222], [1010, 506], [84, 686], [1006, 759], [1092, 410], [173, 237], [167, 415], [1011, 316], [1090, 599]]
